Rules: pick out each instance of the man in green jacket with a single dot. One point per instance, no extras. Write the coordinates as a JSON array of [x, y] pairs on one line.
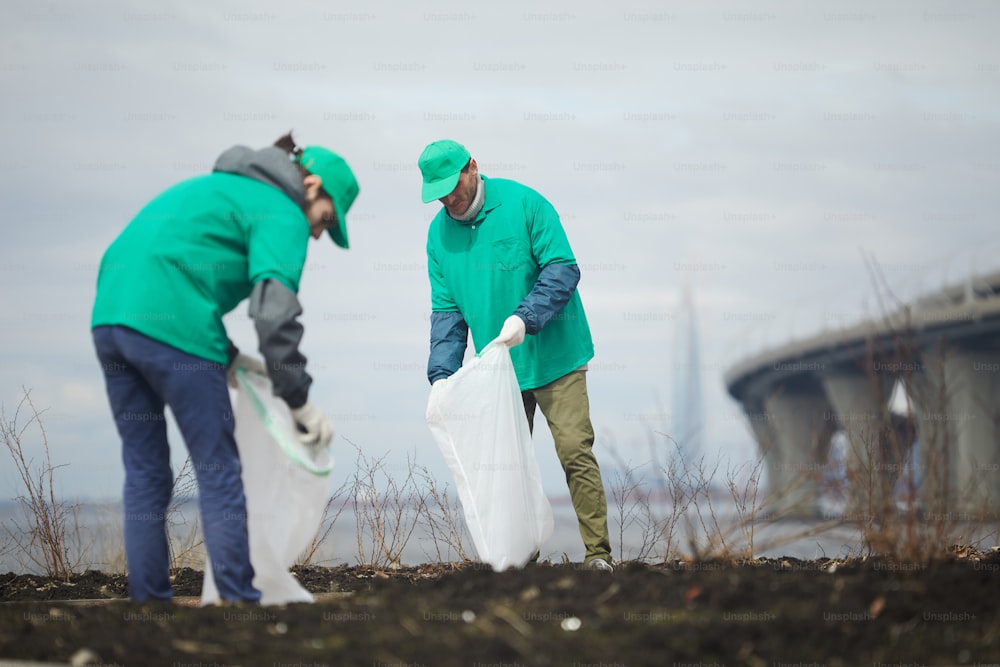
[[500, 266], [189, 257]]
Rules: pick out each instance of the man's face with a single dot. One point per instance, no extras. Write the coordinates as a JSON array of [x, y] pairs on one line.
[[319, 208], [321, 216], [461, 197]]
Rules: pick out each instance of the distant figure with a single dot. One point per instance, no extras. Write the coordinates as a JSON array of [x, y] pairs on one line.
[[188, 258], [501, 266]]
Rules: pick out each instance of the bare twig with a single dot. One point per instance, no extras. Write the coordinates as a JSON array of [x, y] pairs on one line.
[[187, 547], [386, 518], [330, 516], [45, 540], [443, 519]]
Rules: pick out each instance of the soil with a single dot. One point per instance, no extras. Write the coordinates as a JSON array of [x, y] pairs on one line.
[[765, 612]]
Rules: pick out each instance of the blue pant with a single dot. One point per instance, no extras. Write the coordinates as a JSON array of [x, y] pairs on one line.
[[142, 375]]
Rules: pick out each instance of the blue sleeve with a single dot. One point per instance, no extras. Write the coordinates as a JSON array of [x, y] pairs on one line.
[[552, 291], [449, 336]]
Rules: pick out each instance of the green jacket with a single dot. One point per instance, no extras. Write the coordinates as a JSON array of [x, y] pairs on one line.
[[486, 267], [200, 248]]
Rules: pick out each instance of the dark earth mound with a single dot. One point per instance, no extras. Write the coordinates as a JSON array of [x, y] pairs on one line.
[[765, 612]]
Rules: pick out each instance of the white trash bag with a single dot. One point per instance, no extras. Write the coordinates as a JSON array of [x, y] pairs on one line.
[[477, 418], [286, 485]]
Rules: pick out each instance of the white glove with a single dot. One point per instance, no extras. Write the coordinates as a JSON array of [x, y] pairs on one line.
[[247, 363], [318, 427], [512, 333]]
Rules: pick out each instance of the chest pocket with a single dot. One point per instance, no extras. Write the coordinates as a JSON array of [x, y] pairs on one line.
[[510, 254]]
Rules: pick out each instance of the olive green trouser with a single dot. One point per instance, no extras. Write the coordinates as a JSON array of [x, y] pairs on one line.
[[566, 408]]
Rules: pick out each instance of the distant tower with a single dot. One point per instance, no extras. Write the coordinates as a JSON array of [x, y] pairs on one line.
[[687, 414]]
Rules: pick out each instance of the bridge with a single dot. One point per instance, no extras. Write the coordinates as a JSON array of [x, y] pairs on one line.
[[942, 350]]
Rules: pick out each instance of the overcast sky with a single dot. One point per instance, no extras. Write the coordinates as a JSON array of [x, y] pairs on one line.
[[751, 150]]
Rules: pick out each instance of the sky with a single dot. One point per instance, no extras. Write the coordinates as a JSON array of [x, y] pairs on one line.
[[753, 152]]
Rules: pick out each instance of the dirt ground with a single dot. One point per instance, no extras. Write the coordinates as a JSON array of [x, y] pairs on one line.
[[766, 612]]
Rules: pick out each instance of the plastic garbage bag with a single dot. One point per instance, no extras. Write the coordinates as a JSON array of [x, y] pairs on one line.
[[286, 485], [477, 418]]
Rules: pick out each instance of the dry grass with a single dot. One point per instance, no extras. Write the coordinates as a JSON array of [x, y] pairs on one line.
[[683, 511], [334, 507], [48, 536], [386, 509], [930, 516], [186, 542], [443, 519], [674, 510]]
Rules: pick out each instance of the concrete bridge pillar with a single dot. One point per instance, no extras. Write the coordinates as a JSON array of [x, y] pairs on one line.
[[860, 405], [763, 433], [958, 433], [800, 427], [936, 437]]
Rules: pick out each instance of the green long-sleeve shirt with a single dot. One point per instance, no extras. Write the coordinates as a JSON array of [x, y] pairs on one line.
[[485, 267]]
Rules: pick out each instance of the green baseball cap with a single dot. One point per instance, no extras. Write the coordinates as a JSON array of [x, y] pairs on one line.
[[338, 182], [440, 164]]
